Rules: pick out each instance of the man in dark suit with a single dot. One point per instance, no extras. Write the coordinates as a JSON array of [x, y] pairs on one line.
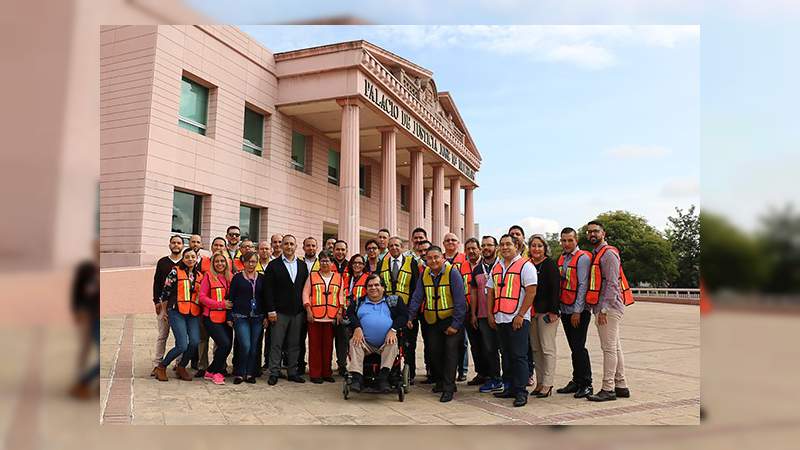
[[284, 280]]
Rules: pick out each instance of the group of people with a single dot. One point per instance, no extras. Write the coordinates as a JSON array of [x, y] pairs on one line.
[[505, 297]]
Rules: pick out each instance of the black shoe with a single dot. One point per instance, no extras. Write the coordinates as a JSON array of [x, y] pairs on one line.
[[583, 392], [521, 400], [478, 380], [272, 380], [355, 382], [541, 394], [296, 379], [437, 388], [505, 394], [200, 374], [602, 396], [342, 371], [251, 380], [238, 380], [622, 392], [316, 380], [462, 377], [570, 388], [329, 379], [446, 397]]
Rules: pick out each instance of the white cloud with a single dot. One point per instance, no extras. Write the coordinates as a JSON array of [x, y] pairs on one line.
[[638, 151], [681, 187], [585, 46]]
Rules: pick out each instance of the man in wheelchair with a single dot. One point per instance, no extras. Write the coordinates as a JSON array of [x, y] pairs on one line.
[[374, 320]]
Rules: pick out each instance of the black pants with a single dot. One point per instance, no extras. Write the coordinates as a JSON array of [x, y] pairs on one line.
[[410, 347], [220, 333], [490, 349], [444, 353], [514, 345], [576, 337], [342, 342], [476, 349]]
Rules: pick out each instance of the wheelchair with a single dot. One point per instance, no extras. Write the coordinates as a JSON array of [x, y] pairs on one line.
[[398, 375]]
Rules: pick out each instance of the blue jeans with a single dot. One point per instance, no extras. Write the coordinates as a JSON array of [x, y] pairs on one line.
[[514, 348], [249, 331], [186, 331], [221, 336]]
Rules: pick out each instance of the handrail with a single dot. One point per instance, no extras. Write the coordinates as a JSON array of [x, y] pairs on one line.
[[666, 292]]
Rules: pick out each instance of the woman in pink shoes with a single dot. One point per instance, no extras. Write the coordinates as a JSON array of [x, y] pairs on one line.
[[214, 298]]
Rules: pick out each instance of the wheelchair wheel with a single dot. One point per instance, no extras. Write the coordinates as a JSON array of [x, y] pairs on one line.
[[401, 392], [346, 390], [406, 375]]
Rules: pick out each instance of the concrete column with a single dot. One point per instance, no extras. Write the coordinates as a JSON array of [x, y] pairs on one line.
[[455, 207], [388, 211], [349, 214], [417, 200], [438, 205], [469, 213]]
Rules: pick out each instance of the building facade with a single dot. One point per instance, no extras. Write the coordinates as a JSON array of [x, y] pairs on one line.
[[202, 127]]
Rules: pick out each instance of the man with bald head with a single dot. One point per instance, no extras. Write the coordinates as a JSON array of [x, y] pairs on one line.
[[460, 263], [276, 241]]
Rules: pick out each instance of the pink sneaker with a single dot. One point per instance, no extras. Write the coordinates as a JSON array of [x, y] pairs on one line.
[[208, 376], [219, 378]]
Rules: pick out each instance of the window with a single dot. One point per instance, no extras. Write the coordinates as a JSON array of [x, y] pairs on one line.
[[299, 151], [186, 213], [193, 112], [363, 186], [249, 222], [333, 167], [404, 197], [253, 132]]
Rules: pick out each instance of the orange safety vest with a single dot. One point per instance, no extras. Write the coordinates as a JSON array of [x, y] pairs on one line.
[[219, 292], [188, 303], [461, 263], [596, 279], [359, 287], [569, 278], [325, 303], [507, 287]]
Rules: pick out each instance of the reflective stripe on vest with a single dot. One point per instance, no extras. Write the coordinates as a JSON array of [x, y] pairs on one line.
[[596, 279], [569, 279], [438, 297], [325, 303], [186, 290], [402, 288], [507, 287], [218, 294], [358, 289], [462, 264]]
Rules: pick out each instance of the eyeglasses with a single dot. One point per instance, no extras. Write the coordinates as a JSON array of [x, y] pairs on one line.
[[451, 240], [593, 231], [234, 234], [371, 249]]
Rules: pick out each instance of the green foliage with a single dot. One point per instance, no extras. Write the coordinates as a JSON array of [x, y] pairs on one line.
[[554, 243], [779, 240], [729, 258], [683, 234], [646, 254]]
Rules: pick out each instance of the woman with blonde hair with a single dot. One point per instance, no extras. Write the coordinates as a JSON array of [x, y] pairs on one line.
[[216, 304]]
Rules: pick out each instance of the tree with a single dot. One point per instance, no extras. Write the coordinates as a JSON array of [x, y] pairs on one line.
[[683, 234], [646, 255], [729, 258], [554, 243], [780, 246]]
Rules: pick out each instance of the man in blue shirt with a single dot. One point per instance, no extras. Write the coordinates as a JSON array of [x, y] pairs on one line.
[[374, 321]]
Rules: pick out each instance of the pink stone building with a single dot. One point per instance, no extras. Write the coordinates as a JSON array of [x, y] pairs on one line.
[[202, 127]]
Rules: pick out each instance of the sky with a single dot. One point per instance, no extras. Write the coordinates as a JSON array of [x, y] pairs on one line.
[[659, 106]]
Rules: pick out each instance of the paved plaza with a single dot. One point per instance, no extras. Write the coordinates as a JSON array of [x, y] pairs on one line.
[[662, 351]]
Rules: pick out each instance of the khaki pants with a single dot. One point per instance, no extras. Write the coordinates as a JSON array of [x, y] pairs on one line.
[[358, 352], [202, 348], [613, 361], [162, 325], [543, 344]]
